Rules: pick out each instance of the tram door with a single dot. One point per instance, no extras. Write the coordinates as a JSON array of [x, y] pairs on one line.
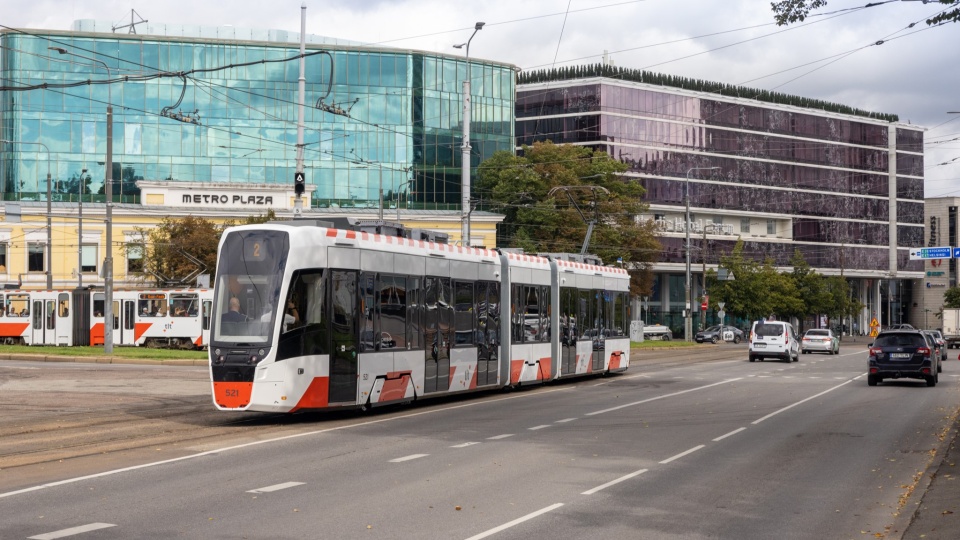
[[62, 320], [343, 357], [44, 322], [127, 321]]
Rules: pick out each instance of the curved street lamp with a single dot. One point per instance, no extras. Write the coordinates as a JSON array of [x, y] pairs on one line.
[[465, 148], [108, 190], [688, 297]]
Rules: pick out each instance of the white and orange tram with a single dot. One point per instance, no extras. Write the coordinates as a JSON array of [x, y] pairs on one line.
[[307, 316], [178, 318]]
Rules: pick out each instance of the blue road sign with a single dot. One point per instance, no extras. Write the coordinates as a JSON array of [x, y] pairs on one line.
[[931, 253], [956, 253]]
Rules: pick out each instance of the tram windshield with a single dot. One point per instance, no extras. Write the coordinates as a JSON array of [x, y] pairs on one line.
[[247, 289]]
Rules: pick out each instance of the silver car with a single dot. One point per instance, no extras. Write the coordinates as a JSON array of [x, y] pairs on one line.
[[820, 340]]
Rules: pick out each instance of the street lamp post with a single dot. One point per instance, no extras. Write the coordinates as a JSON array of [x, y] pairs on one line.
[[108, 190], [49, 262], [688, 297], [83, 172], [465, 148]]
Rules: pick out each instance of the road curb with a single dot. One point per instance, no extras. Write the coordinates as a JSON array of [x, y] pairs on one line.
[[103, 360]]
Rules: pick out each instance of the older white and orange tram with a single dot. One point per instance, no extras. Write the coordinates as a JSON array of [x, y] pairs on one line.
[[178, 318], [370, 319]]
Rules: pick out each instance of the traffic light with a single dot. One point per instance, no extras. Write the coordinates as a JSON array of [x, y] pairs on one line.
[[299, 183]]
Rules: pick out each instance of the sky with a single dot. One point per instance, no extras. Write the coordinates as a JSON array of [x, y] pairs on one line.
[[868, 58]]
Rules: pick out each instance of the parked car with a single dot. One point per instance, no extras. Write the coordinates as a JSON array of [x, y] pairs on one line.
[[820, 340], [716, 334], [773, 339], [896, 354]]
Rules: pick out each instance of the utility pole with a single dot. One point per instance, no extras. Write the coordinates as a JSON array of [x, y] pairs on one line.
[[299, 179], [703, 284]]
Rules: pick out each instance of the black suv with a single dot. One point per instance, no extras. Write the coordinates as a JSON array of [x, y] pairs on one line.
[[903, 353]]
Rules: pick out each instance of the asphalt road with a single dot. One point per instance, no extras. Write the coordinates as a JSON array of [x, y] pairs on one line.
[[685, 445]]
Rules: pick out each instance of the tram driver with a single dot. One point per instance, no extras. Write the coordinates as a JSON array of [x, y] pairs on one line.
[[234, 314]]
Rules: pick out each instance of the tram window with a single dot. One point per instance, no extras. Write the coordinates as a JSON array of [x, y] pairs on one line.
[[464, 322], [393, 307], [599, 311], [184, 305], [545, 307], [493, 314], [63, 305], [309, 335], [531, 314], [116, 314], [207, 307], [584, 314], [568, 315], [129, 312], [98, 305], [445, 308], [368, 307], [438, 316], [414, 313], [480, 308], [51, 315], [619, 314], [18, 305], [516, 313], [38, 315]]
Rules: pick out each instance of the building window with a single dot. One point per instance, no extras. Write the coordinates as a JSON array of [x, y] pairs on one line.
[[745, 225], [88, 258], [134, 258], [3, 258], [771, 226], [35, 258]]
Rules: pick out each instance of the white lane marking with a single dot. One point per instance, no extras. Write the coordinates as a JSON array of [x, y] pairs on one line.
[[734, 432], [72, 531], [464, 445], [408, 458], [273, 440], [276, 487], [802, 401], [621, 378], [496, 437], [660, 397], [681, 454], [612, 482], [517, 521], [727, 362], [534, 428], [564, 420]]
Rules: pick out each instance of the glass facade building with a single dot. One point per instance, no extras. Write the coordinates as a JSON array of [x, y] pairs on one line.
[[393, 118], [845, 191]]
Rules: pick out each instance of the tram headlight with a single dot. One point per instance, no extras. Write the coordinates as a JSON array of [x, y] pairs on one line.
[[216, 352], [253, 359], [260, 352]]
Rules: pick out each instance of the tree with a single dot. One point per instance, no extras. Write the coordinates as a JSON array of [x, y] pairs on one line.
[[180, 249], [951, 298], [540, 220], [757, 291], [791, 11]]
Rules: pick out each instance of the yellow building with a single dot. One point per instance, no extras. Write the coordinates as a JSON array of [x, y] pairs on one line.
[[78, 246]]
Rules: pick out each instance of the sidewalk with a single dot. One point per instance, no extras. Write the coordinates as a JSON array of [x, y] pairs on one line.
[[937, 516]]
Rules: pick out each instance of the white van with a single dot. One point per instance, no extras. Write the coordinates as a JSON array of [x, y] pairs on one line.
[[774, 339]]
